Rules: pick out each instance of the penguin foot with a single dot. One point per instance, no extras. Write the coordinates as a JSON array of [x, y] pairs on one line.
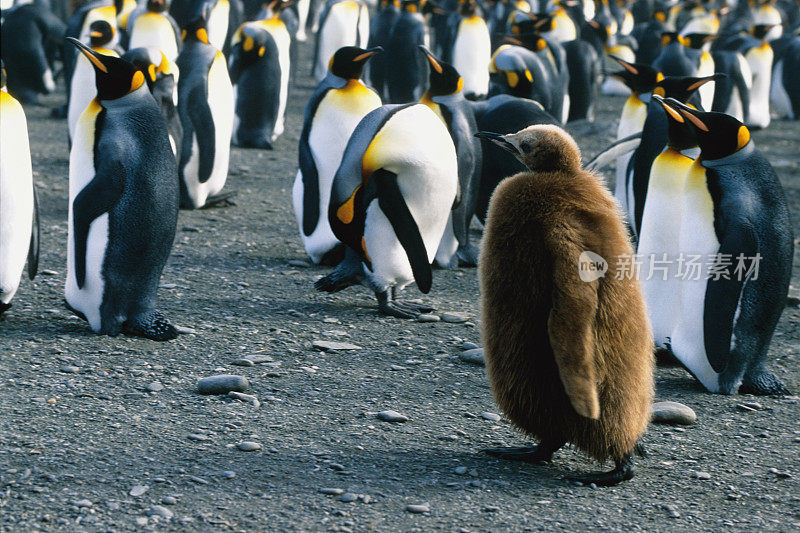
[[399, 308], [4, 307], [764, 383], [665, 358], [538, 455], [74, 311], [467, 255], [623, 471], [220, 200], [150, 325]]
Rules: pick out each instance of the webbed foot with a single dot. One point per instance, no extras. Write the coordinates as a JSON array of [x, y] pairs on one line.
[[540, 454], [763, 383], [150, 325], [623, 471], [399, 308], [346, 274], [220, 200], [467, 255]]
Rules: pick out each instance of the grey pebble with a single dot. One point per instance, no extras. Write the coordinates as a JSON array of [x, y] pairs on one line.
[[348, 497], [249, 446], [142, 520], [426, 317], [461, 470], [491, 509], [392, 416], [672, 413], [69, 369], [331, 491], [334, 346], [158, 510], [169, 500], [197, 437], [469, 345], [222, 384], [494, 417], [246, 398], [474, 356], [702, 475], [779, 474], [418, 508], [259, 358], [198, 480], [228, 474], [299, 264], [138, 490], [155, 386], [82, 503], [242, 362], [453, 318], [183, 330]]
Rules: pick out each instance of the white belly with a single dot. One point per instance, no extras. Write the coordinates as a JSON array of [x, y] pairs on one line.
[[16, 195], [760, 61], [83, 91], [779, 98], [156, 31], [341, 29], [302, 17], [472, 55], [283, 41], [218, 24], [631, 122], [706, 68]]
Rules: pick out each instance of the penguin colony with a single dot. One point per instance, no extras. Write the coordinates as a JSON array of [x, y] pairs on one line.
[[422, 112]]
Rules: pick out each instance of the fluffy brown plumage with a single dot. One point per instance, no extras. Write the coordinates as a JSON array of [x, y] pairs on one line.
[[568, 360]]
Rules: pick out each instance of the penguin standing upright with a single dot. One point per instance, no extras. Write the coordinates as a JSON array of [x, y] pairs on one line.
[[698, 46], [19, 214], [472, 51], [123, 205], [206, 109], [155, 27], [736, 225], [673, 60], [391, 209], [83, 84], [446, 98], [380, 30], [732, 94], [342, 23], [785, 91], [406, 78], [758, 53], [331, 115]]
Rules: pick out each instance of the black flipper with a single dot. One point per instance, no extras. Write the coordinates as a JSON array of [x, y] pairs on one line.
[[203, 123], [33, 250], [308, 168], [393, 205], [98, 197]]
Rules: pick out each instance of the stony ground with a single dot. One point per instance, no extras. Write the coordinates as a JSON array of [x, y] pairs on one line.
[[100, 433]]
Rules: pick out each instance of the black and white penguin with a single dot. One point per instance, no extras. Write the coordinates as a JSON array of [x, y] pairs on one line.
[[673, 60], [331, 115], [380, 30], [445, 96], [758, 53], [471, 50], [407, 77], [732, 94], [155, 27], [785, 91], [390, 203], [19, 214], [735, 219], [161, 76], [82, 90], [206, 109], [342, 23], [123, 205], [698, 46]]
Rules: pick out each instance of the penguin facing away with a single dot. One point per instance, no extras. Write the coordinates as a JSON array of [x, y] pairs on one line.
[[206, 110], [572, 361], [736, 218], [123, 205], [19, 213], [445, 97], [332, 113], [390, 203]]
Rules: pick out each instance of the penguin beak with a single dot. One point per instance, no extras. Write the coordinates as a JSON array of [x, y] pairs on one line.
[[702, 81], [90, 54], [369, 53], [432, 60], [688, 113], [670, 112], [627, 66], [499, 140]]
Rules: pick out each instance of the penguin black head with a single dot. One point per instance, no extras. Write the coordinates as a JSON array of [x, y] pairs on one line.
[[718, 135], [100, 33], [444, 79], [114, 77], [759, 31], [528, 23], [531, 40], [197, 30], [157, 6], [541, 148], [638, 77], [253, 43], [696, 41], [412, 6], [151, 61], [680, 135], [467, 8], [669, 37], [681, 88], [348, 62], [603, 32]]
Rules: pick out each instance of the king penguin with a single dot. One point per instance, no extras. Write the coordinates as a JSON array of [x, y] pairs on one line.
[[472, 51], [406, 78], [445, 96], [331, 115], [391, 209], [758, 53], [155, 27], [736, 219], [380, 30], [342, 23], [123, 205], [206, 109], [19, 214], [83, 84]]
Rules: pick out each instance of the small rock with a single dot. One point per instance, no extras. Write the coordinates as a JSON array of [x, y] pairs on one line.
[[334, 346], [392, 416], [199, 437], [491, 509], [246, 398], [469, 345], [449, 438], [673, 512], [494, 417], [793, 301], [331, 491], [418, 508], [198, 480], [779, 474], [453, 318], [183, 330], [426, 317], [242, 362], [141, 521], [749, 406], [138, 490], [474, 356], [745, 408], [69, 369], [228, 474], [702, 475], [348, 497], [299, 264], [222, 384], [249, 446], [155, 386], [461, 470], [259, 358], [672, 413], [397, 368], [163, 512], [82, 503]]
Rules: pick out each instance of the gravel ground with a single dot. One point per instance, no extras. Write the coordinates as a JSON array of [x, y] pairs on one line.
[[100, 433]]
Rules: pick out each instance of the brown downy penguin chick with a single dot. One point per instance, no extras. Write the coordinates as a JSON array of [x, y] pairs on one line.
[[567, 344]]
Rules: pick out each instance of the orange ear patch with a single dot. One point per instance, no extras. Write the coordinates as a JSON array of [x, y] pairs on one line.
[[137, 80], [694, 120]]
